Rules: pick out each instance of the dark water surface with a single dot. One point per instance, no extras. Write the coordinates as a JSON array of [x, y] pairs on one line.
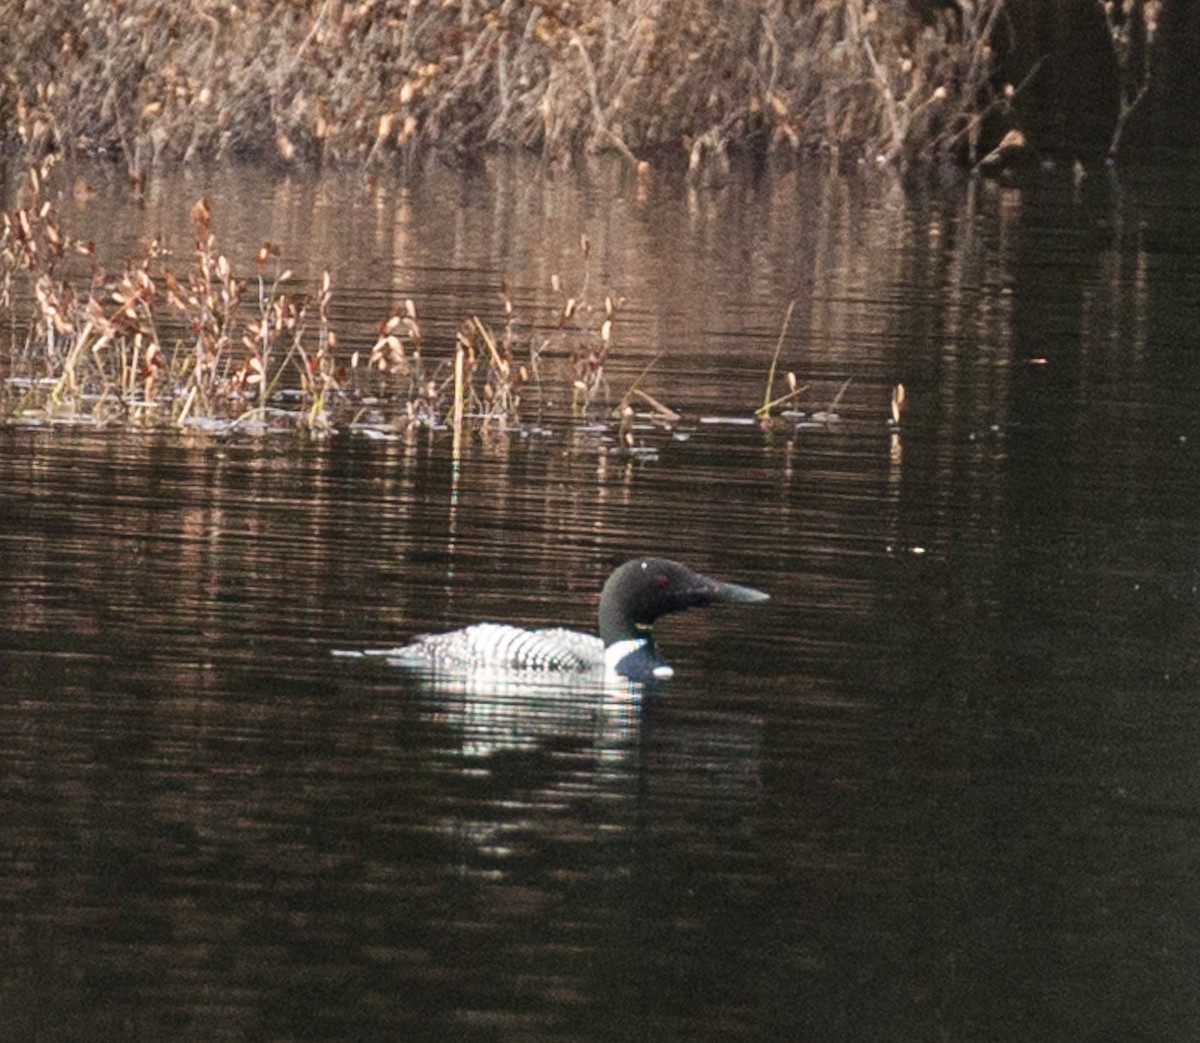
[[943, 786]]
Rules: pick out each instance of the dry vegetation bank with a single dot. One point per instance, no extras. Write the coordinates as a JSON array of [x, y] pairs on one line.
[[383, 81]]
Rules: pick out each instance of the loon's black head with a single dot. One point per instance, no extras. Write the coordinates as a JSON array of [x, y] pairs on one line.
[[641, 590]]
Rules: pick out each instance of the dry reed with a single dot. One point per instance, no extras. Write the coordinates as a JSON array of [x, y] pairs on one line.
[[326, 80], [210, 348]]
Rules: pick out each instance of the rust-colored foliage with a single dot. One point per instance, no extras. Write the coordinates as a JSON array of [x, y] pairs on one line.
[[205, 347]]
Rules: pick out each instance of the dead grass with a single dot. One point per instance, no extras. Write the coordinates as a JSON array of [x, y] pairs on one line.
[[215, 348], [386, 81]]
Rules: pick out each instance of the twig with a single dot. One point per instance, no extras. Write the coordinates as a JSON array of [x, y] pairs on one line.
[[888, 97], [665, 411], [633, 388], [459, 359], [838, 397], [765, 408]]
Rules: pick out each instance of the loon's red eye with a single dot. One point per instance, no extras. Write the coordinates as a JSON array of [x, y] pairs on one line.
[[662, 579]]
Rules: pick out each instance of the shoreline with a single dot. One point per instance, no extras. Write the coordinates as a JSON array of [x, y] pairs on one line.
[[385, 84]]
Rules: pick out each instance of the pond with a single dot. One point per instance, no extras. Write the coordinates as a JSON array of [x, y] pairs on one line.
[[941, 786]]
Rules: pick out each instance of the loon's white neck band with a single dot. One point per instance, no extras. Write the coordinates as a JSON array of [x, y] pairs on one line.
[[618, 650]]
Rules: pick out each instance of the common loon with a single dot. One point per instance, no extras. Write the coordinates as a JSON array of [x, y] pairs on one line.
[[634, 596]]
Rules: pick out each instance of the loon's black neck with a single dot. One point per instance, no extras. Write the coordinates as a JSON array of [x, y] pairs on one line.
[[642, 590]]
